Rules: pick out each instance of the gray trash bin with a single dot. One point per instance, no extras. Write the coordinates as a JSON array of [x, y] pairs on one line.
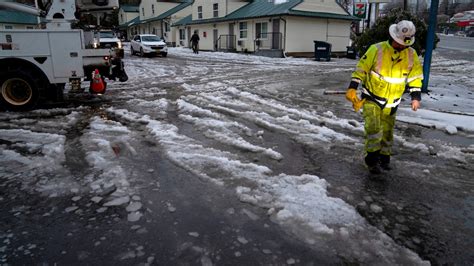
[[351, 52], [322, 50]]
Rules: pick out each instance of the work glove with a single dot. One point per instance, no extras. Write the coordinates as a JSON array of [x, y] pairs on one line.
[[351, 96]]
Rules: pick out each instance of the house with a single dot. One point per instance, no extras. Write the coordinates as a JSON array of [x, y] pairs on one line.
[[14, 20], [267, 26], [157, 16], [128, 16]]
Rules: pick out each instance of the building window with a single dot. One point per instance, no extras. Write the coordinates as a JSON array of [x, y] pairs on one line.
[[243, 30], [8, 27], [199, 12], [182, 35], [153, 9], [215, 8], [29, 27], [143, 11], [261, 30]]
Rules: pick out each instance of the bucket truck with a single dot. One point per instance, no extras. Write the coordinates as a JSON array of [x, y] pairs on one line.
[[35, 64]]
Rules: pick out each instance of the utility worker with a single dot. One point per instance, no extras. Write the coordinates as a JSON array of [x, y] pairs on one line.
[[385, 70]]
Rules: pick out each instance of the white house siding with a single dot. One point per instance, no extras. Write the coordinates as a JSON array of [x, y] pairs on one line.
[[225, 7], [173, 34], [339, 34], [155, 28], [146, 10], [302, 32], [326, 6], [126, 16], [205, 43]]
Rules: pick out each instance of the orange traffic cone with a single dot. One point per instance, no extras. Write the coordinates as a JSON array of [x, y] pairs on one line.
[[97, 84]]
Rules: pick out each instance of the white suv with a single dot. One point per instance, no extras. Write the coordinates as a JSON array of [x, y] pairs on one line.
[[147, 44]]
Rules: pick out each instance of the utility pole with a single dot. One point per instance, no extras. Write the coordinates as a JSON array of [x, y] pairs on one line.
[[405, 4], [368, 17], [429, 44]]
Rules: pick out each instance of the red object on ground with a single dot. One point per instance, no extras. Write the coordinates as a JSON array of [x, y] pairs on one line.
[[97, 84]]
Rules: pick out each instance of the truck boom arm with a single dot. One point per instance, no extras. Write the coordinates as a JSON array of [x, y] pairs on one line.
[[23, 8]]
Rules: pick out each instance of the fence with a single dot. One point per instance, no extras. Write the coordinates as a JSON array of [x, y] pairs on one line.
[[269, 41], [226, 43]]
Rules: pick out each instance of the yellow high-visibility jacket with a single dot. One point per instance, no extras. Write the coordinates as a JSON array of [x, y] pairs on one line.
[[384, 73]]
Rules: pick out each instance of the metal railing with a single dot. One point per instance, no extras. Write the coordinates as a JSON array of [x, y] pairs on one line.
[[226, 43], [269, 41]]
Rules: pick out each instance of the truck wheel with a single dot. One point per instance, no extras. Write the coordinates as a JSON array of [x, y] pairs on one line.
[[18, 91]]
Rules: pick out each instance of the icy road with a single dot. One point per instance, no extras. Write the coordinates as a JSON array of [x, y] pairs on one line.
[[230, 159]]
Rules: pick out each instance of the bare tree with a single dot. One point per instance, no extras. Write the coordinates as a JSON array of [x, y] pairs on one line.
[[346, 4], [392, 5]]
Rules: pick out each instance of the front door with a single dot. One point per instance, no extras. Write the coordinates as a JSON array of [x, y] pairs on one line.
[[231, 38], [276, 36], [189, 37], [214, 38]]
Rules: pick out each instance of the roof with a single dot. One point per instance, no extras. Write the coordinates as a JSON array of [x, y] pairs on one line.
[[170, 12], [265, 8], [15, 17], [321, 15], [130, 8], [132, 22], [185, 21]]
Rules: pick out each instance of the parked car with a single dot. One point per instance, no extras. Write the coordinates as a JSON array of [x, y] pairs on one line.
[[148, 44], [470, 32], [460, 33]]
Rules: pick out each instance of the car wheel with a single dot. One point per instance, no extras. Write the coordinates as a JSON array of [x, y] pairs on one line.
[[142, 54], [164, 54]]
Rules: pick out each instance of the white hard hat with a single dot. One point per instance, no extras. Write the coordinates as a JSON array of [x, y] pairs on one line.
[[403, 32]]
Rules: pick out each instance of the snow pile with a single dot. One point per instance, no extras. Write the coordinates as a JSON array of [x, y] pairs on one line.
[[298, 202], [440, 120]]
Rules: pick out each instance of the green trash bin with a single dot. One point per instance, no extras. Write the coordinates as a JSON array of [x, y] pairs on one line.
[[322, 50]]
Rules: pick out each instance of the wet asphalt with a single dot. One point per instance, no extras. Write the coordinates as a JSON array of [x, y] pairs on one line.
[[427, 201]]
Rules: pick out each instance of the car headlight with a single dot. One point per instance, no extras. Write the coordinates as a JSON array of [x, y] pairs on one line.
[[119, 44]]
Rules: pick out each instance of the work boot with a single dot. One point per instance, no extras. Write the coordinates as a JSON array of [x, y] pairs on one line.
[[372, 162], [385, 162]]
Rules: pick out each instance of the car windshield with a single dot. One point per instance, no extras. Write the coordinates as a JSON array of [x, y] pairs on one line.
[[151, 38], [107, 34]]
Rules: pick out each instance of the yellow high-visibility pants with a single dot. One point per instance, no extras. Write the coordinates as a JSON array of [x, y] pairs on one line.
[[378, 128]]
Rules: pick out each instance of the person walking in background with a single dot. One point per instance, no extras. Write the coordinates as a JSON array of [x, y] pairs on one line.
[[195, 42], [385, 70]]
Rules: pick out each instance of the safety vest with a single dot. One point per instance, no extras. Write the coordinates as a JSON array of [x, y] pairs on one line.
[[385, 72]]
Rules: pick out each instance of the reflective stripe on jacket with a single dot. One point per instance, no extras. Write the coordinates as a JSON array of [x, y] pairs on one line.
[[385, 72]]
